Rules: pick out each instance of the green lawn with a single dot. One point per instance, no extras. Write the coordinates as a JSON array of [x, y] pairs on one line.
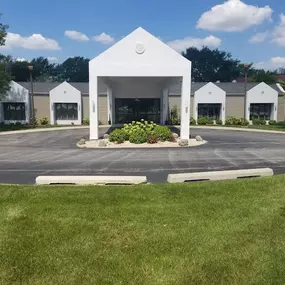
[[230, 233]]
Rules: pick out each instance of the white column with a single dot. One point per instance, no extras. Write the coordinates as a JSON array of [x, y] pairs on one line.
[[185, 107], [110, 104], [93, 103], [195, 107], [51, 107], [247, 110], [223, 112], [164, 106]]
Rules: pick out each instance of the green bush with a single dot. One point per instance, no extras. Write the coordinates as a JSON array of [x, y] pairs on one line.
[[192, 121], [258, 122], [281, 123], [34, 121], [118, 136], [272, 123], [18, 124], [86, 121], [44, 121], [174, 116], [163, 133], [203, 121], [138, 136], [233, 121], [219, 122], [152, 139]]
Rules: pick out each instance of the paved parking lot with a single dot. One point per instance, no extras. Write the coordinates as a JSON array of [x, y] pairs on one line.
[[25, 156]]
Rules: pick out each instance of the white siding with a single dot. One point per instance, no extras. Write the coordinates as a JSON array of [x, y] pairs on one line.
[[17, 94], [65, 93]]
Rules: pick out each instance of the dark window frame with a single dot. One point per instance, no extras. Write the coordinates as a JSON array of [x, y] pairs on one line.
[[209, 110], [262, 111], [66, 111], [14, 111]]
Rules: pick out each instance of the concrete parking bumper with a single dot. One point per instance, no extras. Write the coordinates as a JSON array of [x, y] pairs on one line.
[[219, 175], [91, 180]]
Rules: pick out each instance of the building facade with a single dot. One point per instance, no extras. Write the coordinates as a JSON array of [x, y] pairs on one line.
[[213, 100], [137, 78]]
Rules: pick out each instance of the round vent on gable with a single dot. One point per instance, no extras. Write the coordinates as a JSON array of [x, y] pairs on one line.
[[140, 48]]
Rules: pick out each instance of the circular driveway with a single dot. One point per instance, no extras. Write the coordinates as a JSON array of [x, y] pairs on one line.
[[25, 156]]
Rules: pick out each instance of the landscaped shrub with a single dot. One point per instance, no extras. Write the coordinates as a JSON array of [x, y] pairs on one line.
[[152, 139], [243, 122], [138, 136], [272, 122], [86, 121], [258, 122], [118, 136], [34, 121], [203, 121], [44, 121], [163, 133], [281, 123], [174, 116], [219, 122], [192, 121], [233, 121]]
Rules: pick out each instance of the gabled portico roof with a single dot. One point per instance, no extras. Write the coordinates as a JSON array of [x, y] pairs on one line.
[[140, 54]]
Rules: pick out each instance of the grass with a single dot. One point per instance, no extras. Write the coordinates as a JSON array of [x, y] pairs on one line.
[[204, 233]]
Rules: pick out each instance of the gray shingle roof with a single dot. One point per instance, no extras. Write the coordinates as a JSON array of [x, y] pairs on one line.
[[230, 87]]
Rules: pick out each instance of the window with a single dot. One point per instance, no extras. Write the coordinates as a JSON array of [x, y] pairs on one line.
[[14, 111], [260, 111], [211, 111], [66, 111]]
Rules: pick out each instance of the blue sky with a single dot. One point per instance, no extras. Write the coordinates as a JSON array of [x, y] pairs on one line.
[[59, 29]]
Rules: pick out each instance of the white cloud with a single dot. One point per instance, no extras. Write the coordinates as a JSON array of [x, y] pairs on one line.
[[104, 39], [52, 59], [233, 15], [20, 59], [77, 36], [182, 44], [272, 64], [278, 35], [34, 42], [258, 38]]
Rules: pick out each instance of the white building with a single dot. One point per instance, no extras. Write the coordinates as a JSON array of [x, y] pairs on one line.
[[210, 102], [261, 103], [65, 105], [15, 106], [138, 71]]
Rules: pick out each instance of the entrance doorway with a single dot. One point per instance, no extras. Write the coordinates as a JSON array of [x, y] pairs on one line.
[[128, 110]]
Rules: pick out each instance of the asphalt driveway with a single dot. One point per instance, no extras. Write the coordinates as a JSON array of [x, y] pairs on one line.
[[25, 156]]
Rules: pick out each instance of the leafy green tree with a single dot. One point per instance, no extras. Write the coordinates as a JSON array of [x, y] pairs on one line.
[[5, 77], [74, 69], [264, 76], [212, 65]]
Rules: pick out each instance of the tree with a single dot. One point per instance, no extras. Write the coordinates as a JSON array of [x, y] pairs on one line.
[[264, 76], [212, 65], [5, 77], [42, 69], [74, 69]]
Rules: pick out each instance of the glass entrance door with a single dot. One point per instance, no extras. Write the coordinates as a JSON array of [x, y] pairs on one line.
[[128, 110]]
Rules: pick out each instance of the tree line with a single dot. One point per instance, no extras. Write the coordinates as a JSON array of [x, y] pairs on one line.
[[208, 65]]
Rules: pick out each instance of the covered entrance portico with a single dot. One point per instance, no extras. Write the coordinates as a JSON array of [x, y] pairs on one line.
[[138, 71]]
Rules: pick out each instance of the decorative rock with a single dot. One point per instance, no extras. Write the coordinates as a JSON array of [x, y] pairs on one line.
[[102, 143], [81, 141], [106, 136], [176, 136], [183, 142], [199, 139]]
